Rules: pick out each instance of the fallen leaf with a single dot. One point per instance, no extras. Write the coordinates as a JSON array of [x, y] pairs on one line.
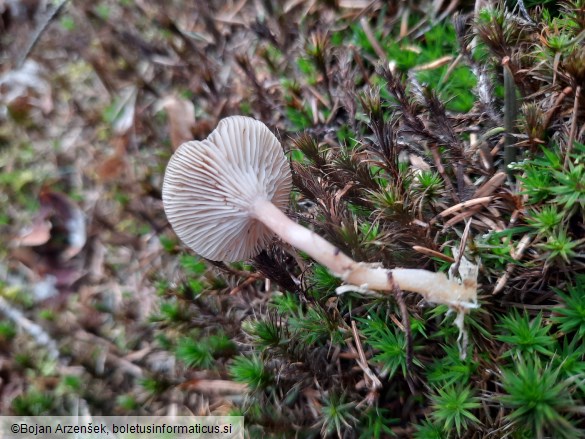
[[114, 166], [181, 114], [215, 387], [58, 228], [26, 87], [125, 111], [38, 234]]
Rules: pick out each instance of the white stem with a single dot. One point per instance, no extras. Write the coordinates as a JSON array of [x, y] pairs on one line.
[[435, 287]]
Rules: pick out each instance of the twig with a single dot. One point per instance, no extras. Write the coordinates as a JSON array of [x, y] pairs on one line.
[[214, 386], [523, 11], [399, 294], [253, 278], [557, 104], [227, 269], [510, 115], [573, 127], [110, 352], [41, 27], [432, 253], [372, 39], [465, 205], [450, 69], [517, 255], [441, 170], [362, 362], [35, 331], [448, 10], [483, 196], [440, 62], [491, 185], [455, 267]]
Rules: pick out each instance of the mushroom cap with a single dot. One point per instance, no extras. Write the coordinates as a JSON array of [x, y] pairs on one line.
[[210, 187]]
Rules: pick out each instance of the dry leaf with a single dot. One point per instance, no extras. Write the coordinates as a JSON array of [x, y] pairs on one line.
[[114, 166], [215, 387], [181, 114], [59, 227], [111, 168], [38, 234], [125, 111], [26, 87]]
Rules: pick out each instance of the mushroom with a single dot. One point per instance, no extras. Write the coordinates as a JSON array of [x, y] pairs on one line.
[[224, 198]]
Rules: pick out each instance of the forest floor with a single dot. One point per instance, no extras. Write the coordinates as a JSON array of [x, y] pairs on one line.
[[104, 311]]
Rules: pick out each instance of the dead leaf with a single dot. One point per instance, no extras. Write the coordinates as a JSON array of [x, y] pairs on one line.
[[418, 163], [125, 111], [202, 128], [58, 228], [26, 87], [111, 168], [67, 214], [38, 234], [114, 166], [215, 387], [181, 114]]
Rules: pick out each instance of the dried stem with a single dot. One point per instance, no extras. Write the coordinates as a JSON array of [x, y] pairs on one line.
[[573, 127], [34, 330], [510, 114], [51, 13]]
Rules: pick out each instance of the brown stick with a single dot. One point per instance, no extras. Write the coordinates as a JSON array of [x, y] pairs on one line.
[[573, 127]]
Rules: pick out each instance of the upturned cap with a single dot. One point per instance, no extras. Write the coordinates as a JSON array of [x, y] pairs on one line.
[[210, 187]]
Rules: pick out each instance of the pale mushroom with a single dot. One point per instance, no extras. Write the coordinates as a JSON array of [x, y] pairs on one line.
[[223, 197]]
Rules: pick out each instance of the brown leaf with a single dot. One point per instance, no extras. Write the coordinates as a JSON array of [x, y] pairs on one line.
[[58, 228], [111, 168], [202, 128], [38, 234], [65, 214], [125, 111], [114, 166], [26, 86], [215, 387], [181, 114]]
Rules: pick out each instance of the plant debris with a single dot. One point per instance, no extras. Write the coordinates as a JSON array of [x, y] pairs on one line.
[[419, 135]]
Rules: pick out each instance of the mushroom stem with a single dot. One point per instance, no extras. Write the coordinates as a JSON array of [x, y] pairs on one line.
[[435, 287]]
